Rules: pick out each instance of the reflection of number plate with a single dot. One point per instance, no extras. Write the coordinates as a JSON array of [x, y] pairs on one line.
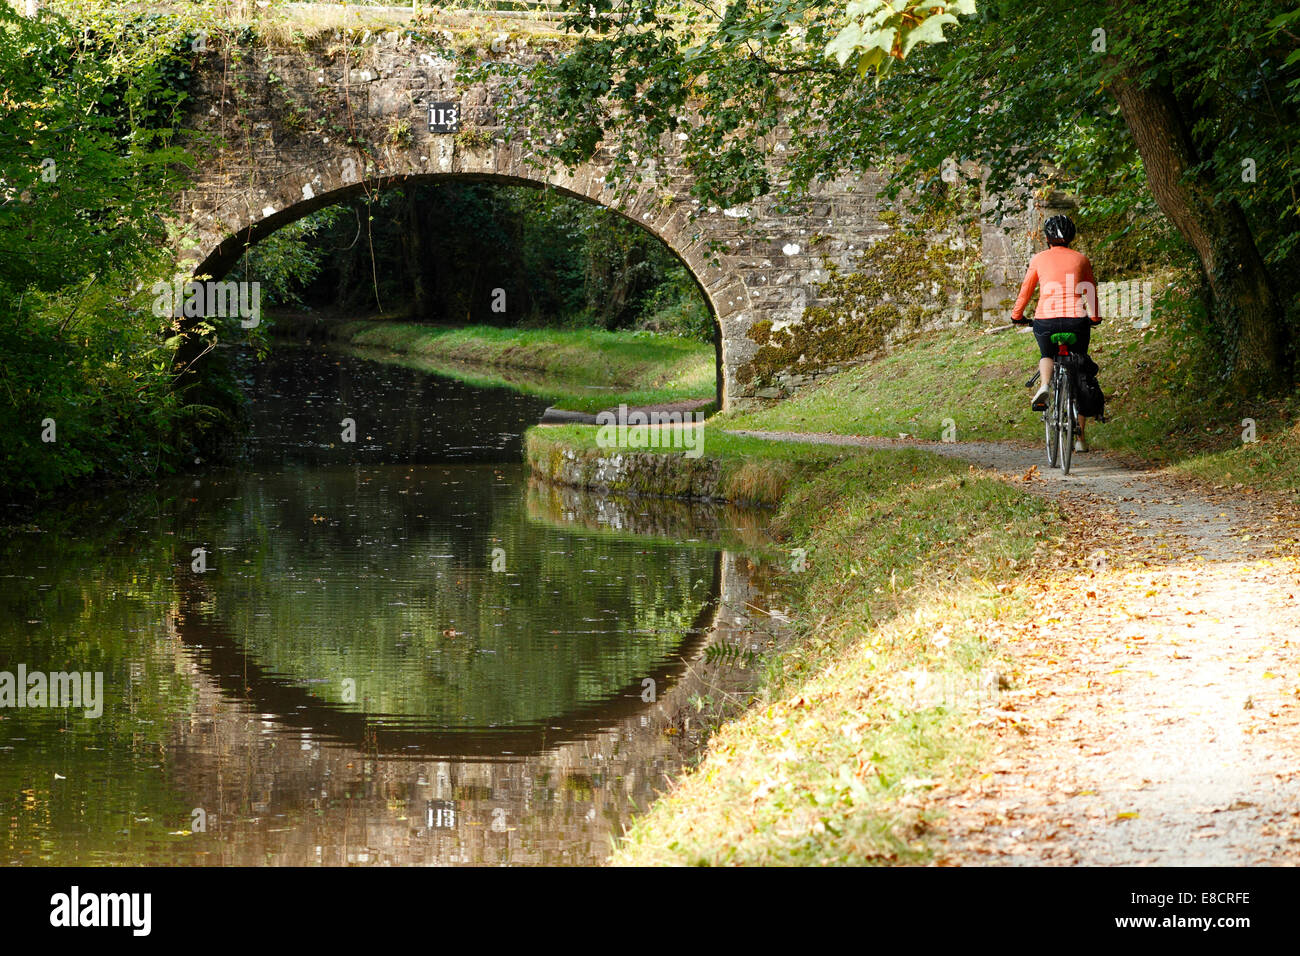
[[444, 117], [441, 814]]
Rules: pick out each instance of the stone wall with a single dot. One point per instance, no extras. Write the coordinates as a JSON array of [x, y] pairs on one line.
[[626, 472]]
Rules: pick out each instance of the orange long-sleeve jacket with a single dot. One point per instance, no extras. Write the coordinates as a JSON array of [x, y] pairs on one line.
[[1069, 289]]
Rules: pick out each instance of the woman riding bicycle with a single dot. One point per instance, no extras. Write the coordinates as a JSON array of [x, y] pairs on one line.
[[1065, 304]]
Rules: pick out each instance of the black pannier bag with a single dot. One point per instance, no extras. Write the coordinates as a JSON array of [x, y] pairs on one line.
[[1089, 399]]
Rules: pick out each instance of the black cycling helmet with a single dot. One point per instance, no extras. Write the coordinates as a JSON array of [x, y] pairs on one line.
[[1059, 231]]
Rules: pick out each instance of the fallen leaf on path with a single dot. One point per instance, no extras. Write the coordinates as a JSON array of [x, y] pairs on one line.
[[1235, 805]]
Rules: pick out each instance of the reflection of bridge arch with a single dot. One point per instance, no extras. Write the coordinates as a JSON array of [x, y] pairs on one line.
[[220, 655], [290, 798]]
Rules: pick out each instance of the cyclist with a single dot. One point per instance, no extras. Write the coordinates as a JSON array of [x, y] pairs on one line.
[[1067, 302]]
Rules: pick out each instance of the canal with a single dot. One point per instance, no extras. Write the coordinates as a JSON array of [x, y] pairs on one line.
[[371, 639]]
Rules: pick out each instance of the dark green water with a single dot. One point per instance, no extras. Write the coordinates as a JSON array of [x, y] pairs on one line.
[[396, 651]]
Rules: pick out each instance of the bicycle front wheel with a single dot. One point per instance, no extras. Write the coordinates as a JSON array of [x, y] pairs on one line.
[[1066, 411]]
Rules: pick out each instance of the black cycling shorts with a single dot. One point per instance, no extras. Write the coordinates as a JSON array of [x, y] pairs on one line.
[[1044, 329]]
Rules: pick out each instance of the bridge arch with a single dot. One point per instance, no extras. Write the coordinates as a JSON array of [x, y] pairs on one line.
[[331, 182]]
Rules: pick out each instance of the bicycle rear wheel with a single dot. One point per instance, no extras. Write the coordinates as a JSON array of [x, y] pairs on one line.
[[1067, 418]]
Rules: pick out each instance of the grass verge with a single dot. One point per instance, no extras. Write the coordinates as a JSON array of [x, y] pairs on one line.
[[577, 369], [873, 699]]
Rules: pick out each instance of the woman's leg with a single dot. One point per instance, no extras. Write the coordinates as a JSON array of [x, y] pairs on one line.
[[1042, 335]]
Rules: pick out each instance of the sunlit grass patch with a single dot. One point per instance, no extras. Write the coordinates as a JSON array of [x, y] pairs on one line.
[[743, 470]]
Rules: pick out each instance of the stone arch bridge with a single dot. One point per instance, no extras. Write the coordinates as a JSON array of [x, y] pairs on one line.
[[279, 131]]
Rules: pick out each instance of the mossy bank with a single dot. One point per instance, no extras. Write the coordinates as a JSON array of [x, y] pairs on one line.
[[717, 466]]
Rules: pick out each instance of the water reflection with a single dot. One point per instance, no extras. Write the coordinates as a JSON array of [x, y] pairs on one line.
[[388, 617], [299, 798], [420, 663], [302, 396]]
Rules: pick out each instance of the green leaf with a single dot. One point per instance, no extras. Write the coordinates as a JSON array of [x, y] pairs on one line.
[[930, 31], [882, 40], [869, 59], [873, 13], [845, 44]]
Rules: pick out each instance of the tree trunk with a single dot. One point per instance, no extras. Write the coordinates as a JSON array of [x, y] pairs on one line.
[[1246, 307]]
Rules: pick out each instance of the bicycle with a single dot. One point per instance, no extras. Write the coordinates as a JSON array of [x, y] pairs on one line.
[[1061, 415]]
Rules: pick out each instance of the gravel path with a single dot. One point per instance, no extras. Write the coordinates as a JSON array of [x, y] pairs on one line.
[[1153, 710]]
